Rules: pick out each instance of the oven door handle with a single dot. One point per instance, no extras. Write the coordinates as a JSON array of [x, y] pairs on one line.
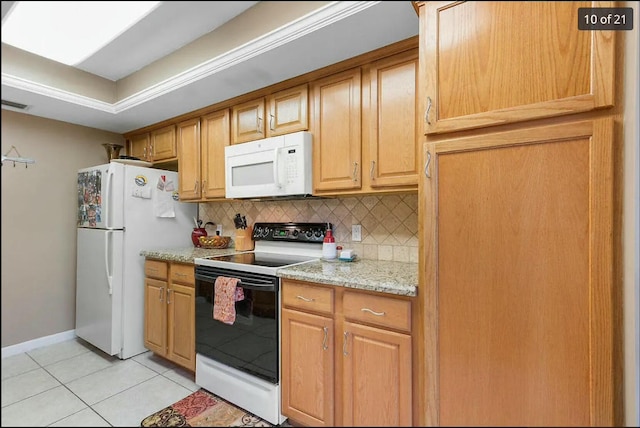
[[266, 286], [253, 286]]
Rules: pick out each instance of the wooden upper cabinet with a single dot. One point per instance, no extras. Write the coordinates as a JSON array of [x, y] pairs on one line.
[[490, 63], [189, 159], [215, 137], [288, 111], [337, 142], [139, 146], [393, 122], [247, 121], [163, 143]]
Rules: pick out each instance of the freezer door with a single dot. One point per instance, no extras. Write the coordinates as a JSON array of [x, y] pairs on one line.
[[100, 197], [99, 288]]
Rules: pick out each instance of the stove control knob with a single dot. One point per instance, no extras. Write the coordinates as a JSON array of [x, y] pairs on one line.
[[266, 231], [295, 233], [309, 234], [257, 232], [318, 233]]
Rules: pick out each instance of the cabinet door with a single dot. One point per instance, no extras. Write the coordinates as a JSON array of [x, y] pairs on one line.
[[181, 333], [247, 121], [394, 152], [163, 143], [139, 146], [288, 111], [376, 377], [215, 137], [189, 159], [155, 316], [518, 277], [307, 368], [336, 111], [488, 63]]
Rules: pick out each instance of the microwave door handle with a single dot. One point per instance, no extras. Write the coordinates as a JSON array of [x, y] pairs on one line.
[[276, 174]]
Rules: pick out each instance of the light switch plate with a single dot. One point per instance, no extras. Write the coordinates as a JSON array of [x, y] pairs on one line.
[[356, 232]]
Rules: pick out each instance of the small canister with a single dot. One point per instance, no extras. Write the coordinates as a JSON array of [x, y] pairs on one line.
[[196, 234]]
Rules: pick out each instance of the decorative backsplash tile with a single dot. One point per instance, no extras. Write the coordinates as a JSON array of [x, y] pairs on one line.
[[389, 222]]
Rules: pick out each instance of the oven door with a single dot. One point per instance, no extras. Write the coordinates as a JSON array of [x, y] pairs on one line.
[[250, 343]]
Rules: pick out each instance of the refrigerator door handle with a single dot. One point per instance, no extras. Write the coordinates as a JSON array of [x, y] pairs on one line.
[[107, 215], [107, 239]]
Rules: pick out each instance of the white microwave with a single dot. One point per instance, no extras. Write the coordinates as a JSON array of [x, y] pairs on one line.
[[270, 168]]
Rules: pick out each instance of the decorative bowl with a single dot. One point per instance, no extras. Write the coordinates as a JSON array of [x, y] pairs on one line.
[[215, 241]]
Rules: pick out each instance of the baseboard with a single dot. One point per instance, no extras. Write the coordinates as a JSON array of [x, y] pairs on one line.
[[30, 345]]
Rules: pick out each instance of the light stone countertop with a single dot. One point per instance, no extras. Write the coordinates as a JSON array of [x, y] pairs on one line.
[[372, 275], [185, 254]]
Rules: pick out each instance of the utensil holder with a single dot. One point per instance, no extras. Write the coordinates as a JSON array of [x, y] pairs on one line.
[[243, 241]]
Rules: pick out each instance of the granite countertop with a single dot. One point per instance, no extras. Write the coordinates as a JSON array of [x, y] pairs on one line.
[[184, 255], [373, 275]]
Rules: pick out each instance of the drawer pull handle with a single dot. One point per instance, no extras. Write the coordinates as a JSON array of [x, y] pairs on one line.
[[161, 293], [305, 299], [168, 295], [180, 274], [378, 314], [326, 336]]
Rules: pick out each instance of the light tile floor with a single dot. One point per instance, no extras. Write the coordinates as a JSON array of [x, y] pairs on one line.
[[75, 384]]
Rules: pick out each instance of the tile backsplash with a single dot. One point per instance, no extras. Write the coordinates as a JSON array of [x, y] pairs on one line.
[[389, 222]]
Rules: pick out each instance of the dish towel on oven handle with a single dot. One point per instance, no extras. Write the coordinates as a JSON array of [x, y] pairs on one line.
[[227, 293]]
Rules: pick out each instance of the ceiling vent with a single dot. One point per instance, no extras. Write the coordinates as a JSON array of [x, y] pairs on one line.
[[14, 105]]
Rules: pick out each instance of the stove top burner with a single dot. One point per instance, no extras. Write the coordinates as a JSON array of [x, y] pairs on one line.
[[263, 259], [277, 245]]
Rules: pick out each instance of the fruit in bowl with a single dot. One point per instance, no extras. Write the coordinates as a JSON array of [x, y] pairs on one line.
[[215, 241]]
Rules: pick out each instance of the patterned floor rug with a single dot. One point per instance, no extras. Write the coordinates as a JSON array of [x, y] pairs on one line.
[[203, 409]]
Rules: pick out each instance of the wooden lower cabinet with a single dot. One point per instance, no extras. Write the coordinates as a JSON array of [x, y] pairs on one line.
[[169, 327], [307, 368], [345, 367], [518, 285]]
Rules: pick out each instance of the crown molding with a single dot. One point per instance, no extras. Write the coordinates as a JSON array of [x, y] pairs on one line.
[[307, 24]]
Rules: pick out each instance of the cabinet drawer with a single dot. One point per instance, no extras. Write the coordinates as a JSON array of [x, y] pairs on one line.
[[307, 297], [183, 273], [379, 310], [155, 269]]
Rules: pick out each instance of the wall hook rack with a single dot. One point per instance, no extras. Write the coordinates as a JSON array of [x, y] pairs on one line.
[[15, 159]]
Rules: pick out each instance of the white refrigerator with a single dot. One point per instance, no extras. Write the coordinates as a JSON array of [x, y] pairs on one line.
[[122, 209]]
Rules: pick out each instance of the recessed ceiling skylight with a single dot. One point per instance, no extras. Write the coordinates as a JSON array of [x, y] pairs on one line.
[[70, 31]]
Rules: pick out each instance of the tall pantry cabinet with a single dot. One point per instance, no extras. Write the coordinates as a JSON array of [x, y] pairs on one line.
[[516, 216]]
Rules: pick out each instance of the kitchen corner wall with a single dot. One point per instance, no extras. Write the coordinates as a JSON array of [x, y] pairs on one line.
[[389, 222], [39, 212]]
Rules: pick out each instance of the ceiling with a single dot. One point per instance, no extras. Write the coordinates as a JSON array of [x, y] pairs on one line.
[[331, 33]]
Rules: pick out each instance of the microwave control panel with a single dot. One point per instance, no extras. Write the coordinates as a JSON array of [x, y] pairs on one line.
[[291, 166]]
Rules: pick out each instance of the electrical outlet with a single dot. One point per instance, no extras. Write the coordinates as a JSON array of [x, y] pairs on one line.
[[219, 229], [356, 232]]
